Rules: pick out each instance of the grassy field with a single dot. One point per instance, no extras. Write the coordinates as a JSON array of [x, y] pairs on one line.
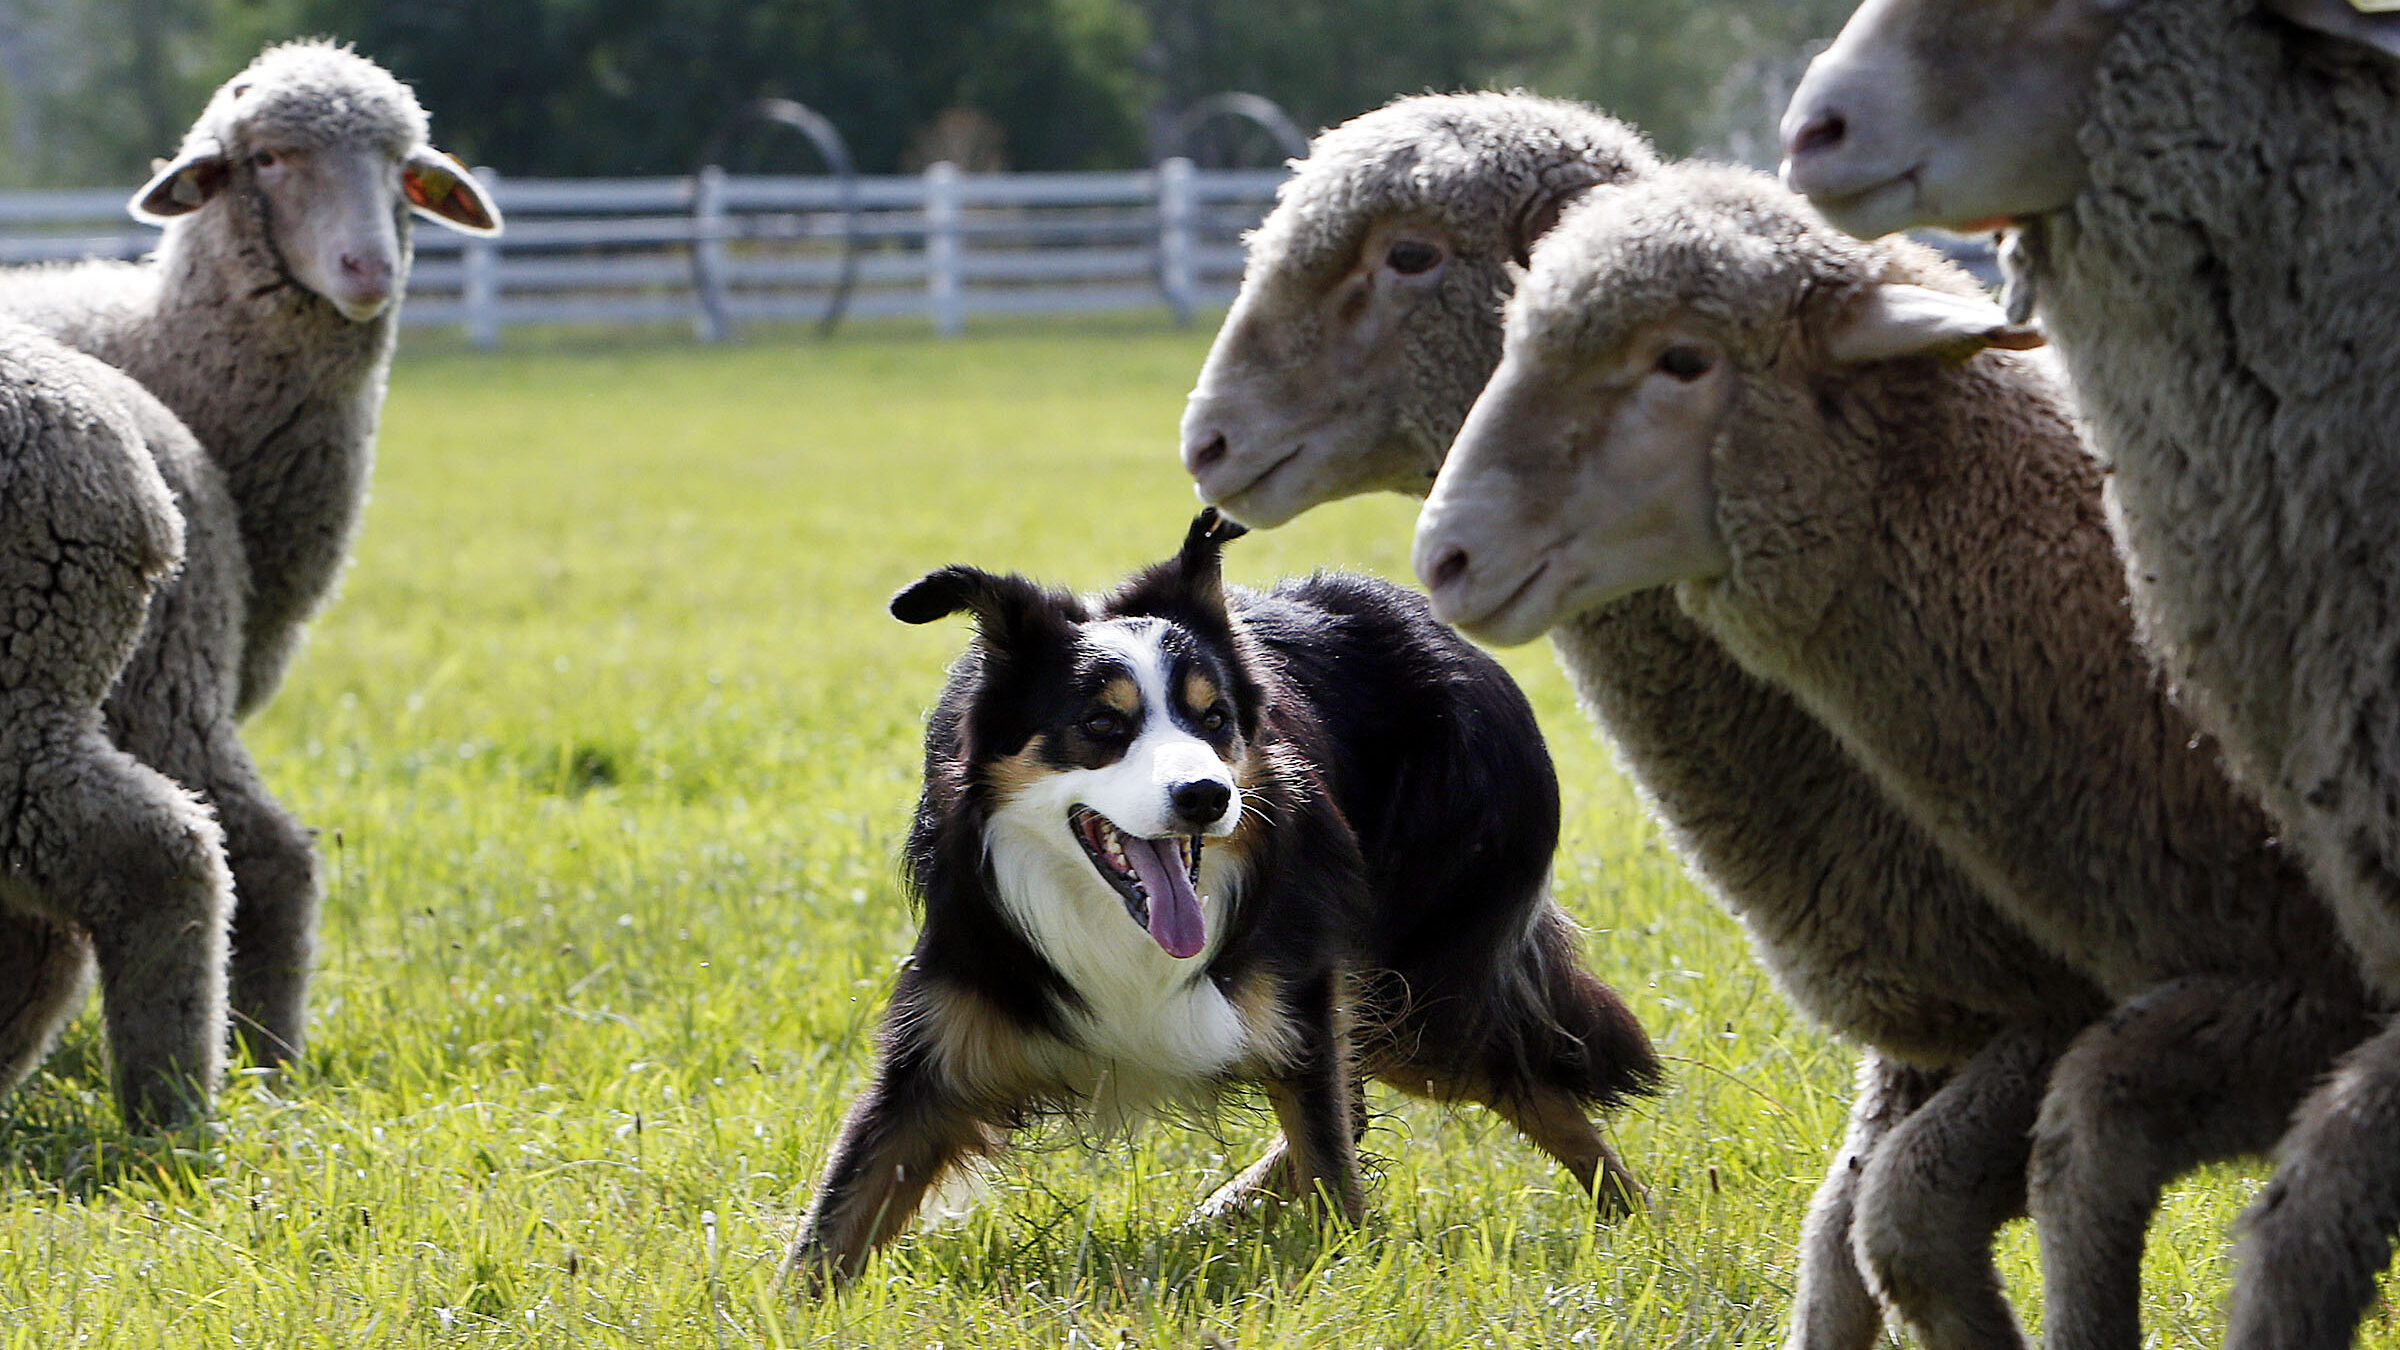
[[611, 743]]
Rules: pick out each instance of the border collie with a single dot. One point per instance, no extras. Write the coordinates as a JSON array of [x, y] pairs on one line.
[[1177, 839]]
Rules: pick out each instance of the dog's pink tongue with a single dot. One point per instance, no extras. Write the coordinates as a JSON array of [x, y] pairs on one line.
[[1174, 906]]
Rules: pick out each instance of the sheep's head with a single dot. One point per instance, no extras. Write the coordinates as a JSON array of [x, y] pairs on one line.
[[1369, 315], [324, 154], [1964, 113], [1673, 342]]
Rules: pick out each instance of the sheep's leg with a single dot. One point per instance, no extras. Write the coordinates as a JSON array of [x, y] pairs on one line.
[[275, 917], [2316, 1241], [130, 859], [1937, 1189], [1832, 1309], [2197, 1070], [188, 733], [44, 972]]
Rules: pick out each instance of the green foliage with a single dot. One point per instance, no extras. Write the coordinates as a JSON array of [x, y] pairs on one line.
[[596, 87], [91, 88], [611, 745]]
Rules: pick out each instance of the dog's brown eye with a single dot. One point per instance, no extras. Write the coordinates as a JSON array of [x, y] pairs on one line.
[[1686, 362], [1213, 720], [1410, 257], [262, 159], [1104, 725]]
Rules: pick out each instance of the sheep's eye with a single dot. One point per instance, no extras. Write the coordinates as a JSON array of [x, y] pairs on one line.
[[1103, 725], [1412, 257], [1214, 719], [1686, 362], [263, 159]]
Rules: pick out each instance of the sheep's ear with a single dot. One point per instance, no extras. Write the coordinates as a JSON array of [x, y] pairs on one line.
[[2370, 23], [1892, 320], [1538, 216], [180, 186], [440, 188]]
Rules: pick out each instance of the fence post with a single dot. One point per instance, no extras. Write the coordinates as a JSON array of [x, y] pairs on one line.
[[712, 322], [1175, 263], [944, 249], [480, 281]]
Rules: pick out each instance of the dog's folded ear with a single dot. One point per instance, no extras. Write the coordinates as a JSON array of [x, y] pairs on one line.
[[1006, 608]]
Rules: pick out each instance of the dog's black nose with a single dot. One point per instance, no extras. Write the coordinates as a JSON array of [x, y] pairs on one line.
[[1202, 802]]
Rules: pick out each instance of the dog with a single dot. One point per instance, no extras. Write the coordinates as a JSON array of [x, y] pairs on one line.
[[1182, 838]]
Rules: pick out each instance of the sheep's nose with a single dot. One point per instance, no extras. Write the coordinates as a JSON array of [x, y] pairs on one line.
[[1819, 132], [1447, 569], [1202, 801], [368, 272], [1200, 455]]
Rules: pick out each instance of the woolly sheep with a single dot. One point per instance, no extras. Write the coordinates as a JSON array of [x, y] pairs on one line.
[[103, 860], [1385, 249], [2213, 259], [1705, 385], [1861, 921], [266, 323]]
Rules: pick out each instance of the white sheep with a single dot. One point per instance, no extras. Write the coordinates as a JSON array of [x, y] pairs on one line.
[[266, 323], [1860, 919], [2211, 252], [1384, 253], [103, 860], [1707, 386]]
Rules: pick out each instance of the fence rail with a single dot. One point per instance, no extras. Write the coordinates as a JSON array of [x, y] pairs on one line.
[[717, 250]]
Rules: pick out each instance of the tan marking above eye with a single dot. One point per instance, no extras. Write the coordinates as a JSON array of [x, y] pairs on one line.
[[1200, 693], [1122, 694]]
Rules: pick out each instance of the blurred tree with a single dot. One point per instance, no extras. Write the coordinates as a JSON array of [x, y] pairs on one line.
[[560, 87], [89, 89], [1700, 76]]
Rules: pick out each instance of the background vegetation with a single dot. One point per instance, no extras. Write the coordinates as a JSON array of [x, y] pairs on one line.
[[611, 744], [91, 89]]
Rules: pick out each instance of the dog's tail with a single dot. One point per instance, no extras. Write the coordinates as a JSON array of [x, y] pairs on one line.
[[1579, 1035], [1534, 1023]]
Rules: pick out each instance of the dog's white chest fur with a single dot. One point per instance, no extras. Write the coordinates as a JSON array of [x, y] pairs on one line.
[[1153, 1028]]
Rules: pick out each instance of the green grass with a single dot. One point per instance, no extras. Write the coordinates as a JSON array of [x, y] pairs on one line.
[[611, 743]]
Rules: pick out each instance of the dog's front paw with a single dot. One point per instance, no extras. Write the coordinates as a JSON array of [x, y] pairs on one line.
[[1261, 1188]]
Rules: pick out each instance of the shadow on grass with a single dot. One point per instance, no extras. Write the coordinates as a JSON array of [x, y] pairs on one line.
[[1193, 1267], [61, 1136]]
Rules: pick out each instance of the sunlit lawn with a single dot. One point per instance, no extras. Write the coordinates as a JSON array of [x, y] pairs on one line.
[[611, 742]]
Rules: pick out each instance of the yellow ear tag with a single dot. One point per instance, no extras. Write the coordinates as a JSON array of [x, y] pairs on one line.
[[2376, 6]]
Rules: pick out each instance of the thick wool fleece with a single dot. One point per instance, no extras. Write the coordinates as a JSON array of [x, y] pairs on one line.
[[1861, 920], [1919, 556], [103, 861], [1490, 170], [283, 394], [2224, 292]]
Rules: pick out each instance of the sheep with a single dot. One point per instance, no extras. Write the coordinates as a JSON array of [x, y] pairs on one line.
[[104, 861], [266, 323], [1860, 920], [1385, 249], [1705, 385], [2211, 256]]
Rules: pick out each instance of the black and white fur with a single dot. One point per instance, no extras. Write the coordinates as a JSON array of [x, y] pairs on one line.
[[1371, 812]]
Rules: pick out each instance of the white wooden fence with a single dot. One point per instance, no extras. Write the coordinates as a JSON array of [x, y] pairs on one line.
[[717, 250]]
